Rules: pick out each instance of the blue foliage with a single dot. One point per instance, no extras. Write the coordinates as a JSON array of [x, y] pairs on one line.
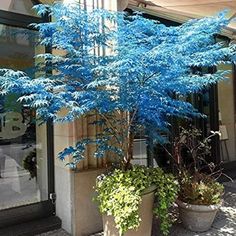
[[113, 63]]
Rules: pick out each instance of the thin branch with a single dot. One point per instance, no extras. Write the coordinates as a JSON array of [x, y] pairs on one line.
[[149, 77]]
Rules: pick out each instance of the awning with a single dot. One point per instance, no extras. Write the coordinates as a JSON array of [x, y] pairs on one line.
[[181, 11]]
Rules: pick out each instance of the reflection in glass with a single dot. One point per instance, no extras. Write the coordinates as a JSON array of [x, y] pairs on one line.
[[23, 156]]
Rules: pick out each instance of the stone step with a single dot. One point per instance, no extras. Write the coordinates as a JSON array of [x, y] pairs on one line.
[[32, 228]]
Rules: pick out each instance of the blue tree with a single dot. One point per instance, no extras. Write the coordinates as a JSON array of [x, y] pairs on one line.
[[131, 71]]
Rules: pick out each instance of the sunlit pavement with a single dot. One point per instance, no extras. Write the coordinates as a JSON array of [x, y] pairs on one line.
[[224, 225]]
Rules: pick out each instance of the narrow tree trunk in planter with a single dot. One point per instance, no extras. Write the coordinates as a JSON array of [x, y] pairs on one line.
[[130, 145]]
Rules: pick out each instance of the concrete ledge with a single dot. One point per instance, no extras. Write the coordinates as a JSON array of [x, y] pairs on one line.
[[85, 215]]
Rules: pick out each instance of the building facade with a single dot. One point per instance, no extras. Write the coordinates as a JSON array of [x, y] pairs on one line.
[[218, 103], [34, 184], [26, 153]]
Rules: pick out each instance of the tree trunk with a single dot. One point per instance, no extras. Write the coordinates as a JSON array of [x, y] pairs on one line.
[[130, 146]]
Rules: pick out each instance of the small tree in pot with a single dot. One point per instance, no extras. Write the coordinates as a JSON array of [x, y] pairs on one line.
[[200, 194], [133, 73]]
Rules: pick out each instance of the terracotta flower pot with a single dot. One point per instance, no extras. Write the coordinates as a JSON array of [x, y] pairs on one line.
[[197, 218], [145, 213]]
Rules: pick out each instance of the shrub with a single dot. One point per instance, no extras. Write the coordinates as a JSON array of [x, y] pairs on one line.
[[119, 195]]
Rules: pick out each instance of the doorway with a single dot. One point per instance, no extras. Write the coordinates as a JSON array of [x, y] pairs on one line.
[[26, 149]]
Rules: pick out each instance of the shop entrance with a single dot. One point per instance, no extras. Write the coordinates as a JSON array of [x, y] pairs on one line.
[[219, 104], [26, 149]]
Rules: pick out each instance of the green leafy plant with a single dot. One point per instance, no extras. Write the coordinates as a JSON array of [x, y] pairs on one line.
[[119, 195], [200, 189], [30, 164]]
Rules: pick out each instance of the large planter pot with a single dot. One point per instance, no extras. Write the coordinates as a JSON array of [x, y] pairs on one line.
[[198, 218], [145, 213]]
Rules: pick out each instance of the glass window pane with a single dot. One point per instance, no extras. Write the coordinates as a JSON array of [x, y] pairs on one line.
[[18, 6], [140, 152], [23, 144]]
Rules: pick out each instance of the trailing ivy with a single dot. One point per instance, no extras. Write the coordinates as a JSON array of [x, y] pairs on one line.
[[119, 195], [166, 195]]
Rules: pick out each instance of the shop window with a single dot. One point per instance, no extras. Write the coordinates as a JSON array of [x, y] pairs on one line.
[[23, 144]]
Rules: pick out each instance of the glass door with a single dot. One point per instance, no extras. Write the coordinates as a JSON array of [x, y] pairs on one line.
[[23, 159], [26, 163]]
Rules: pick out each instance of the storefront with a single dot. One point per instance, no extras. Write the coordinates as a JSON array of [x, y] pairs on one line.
[[26, 149], [219, 101]]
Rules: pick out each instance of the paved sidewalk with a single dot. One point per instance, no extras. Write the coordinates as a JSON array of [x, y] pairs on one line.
[[224, 224]]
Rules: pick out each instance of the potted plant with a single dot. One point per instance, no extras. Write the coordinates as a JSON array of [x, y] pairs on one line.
[[129, 73], [126, 200], [200, 199], [200, 195]]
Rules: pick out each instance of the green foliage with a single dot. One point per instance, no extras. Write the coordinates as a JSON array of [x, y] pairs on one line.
[[30, 164], [200, 189], [11, 103], [119, 194], [166, 195]]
